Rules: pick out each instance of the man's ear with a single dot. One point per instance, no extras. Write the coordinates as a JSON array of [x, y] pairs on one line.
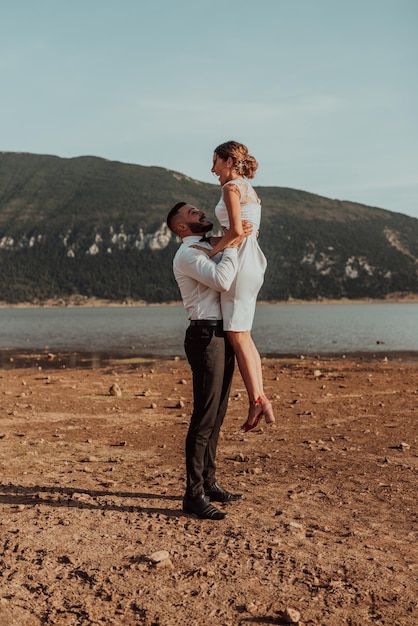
[[181, 227]]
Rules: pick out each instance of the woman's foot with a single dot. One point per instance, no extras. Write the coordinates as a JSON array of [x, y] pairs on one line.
[[255, 413], [258, 408], [267, 410]]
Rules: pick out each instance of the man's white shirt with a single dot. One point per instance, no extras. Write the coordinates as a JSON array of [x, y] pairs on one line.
[[201, 279]]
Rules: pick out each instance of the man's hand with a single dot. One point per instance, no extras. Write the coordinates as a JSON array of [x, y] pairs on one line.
[[247, 229]]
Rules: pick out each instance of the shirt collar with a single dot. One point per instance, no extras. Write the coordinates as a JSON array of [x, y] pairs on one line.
[[192, 239]]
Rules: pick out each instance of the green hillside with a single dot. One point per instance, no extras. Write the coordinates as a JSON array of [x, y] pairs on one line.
[[97, 228]]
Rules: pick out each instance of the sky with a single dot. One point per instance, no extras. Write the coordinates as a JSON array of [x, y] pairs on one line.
[[323, 92]]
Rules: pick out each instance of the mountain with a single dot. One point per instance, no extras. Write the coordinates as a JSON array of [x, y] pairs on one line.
[[95, 227]]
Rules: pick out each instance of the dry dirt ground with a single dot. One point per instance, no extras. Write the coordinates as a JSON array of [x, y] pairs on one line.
[[91, 527]]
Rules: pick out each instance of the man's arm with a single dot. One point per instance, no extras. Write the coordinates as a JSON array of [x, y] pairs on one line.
[[196, 264]]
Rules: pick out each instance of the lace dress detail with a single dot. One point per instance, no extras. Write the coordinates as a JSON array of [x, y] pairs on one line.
[[238, 304]]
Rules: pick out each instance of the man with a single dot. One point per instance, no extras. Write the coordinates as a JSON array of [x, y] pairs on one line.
[[211, 358]]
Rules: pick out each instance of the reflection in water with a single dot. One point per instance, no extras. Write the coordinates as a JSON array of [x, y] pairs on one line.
[[13, 359]]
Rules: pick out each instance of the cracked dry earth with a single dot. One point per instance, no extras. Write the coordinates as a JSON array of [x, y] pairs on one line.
[[91, 527]]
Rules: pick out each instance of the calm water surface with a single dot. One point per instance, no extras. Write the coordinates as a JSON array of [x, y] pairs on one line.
[[159, 330]]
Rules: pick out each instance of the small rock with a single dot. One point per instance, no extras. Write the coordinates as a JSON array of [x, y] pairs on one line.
[[115, 390], [183, 381], [153, 405], [251, 607], [240, 457], [295, 525], [180, 404], [160, 555], [290, 616]]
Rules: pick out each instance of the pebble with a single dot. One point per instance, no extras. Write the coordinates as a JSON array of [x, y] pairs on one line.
[[115, 390], [291, 616], [256, 470], [160, 555]]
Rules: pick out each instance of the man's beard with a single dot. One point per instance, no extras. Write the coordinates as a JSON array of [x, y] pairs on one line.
[[197, 227]]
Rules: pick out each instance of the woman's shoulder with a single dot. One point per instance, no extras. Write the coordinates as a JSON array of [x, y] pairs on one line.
[[245, 189], [237, 185]]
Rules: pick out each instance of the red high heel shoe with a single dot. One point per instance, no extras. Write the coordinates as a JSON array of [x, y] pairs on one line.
[[255, 413], [258, 408]]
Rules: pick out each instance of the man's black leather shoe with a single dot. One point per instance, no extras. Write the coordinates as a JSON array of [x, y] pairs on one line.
[[216, 493], [200, 506]]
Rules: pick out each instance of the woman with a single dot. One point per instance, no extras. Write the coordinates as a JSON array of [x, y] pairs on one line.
[[233, 165]]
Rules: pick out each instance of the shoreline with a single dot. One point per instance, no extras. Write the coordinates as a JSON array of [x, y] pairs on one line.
[[17, 359], [81, 301]]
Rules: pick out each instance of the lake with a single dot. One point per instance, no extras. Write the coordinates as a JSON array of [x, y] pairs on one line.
[[158, 331]]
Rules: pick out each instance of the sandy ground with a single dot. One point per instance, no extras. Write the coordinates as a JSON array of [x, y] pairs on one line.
[[91, 527]]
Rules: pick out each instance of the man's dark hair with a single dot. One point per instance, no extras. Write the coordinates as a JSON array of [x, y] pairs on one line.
[[176, 208]]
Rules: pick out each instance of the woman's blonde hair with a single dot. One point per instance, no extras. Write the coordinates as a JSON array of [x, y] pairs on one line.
[[243, 162]]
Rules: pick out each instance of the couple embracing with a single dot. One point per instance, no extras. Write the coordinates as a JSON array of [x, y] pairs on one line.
[[219, 279]]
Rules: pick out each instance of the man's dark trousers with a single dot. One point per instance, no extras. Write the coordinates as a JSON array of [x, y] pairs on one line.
[[212, 360]]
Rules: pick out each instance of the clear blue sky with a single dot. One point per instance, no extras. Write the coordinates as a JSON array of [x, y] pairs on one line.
[[323, 92]]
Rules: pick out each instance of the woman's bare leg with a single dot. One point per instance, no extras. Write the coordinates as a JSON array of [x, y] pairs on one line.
[[249, 363]]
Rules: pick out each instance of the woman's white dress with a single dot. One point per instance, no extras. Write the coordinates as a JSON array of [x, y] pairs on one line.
[[238, 304]]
